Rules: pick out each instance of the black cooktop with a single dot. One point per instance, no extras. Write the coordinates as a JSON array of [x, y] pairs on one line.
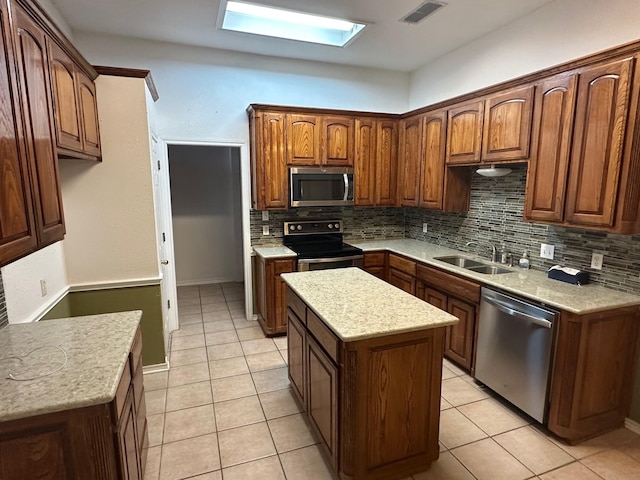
[[317, 239]]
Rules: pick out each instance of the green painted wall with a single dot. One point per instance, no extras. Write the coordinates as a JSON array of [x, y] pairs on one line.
[[145, 298]]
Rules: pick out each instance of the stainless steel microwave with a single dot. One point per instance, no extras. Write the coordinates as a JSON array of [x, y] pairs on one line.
[[321, 186]]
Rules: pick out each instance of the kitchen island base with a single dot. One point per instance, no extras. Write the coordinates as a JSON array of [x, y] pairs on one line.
[[374, 402]]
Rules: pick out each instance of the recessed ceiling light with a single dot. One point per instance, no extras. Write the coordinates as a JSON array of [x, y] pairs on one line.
[[288, 24]]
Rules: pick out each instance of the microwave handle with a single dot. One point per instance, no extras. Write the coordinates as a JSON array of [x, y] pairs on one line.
[[345, 177]]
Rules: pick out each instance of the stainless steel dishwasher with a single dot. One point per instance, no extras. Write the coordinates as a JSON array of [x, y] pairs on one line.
[[514, 350]]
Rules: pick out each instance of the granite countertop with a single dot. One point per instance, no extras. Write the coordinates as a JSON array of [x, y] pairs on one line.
[[97, 349], [356, 305], [532, 284], [275, 251]]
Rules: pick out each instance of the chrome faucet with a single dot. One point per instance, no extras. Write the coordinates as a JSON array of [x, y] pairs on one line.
[[494, 250]]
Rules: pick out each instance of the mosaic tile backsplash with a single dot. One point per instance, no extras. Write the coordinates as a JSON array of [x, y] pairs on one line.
[[495, 215], [4, 320]]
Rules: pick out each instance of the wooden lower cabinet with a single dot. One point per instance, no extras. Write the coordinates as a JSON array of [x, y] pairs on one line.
[[375, 263], [373, 403], [270, 293], [458, 344], [402, 273], [100, 442]]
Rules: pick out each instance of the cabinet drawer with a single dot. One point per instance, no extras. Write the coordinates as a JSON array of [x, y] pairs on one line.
[[295, 303], [123, 388], [402, 280], [323, 335], [403, 264], [374, 259], [452, 284]]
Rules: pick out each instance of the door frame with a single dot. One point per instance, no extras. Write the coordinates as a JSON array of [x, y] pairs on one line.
[[245, 186]]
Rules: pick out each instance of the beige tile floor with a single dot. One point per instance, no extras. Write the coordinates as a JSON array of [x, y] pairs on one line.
[[224, 411]]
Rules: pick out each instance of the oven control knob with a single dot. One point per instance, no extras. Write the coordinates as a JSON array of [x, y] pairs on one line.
[[330, 226], [337, 225], [292, 227], [299, 227]]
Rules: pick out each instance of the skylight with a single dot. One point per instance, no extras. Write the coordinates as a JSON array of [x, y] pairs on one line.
[[288, 24]]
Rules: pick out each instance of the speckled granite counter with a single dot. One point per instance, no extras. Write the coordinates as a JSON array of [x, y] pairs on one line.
[[528, 283], [276, 251], [97, 348], [357, 305]]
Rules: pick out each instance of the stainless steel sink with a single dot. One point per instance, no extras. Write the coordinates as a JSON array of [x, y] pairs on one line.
[[489, 269], [473, 265], [460, 261]]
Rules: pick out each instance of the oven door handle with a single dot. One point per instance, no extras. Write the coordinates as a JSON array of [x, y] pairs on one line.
[[329, 260], [345, 178]]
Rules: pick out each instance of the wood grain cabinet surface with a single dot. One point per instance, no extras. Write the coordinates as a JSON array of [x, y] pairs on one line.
[[270, 293], [464, 133], [303, 139], [373, 403], [337, 139]]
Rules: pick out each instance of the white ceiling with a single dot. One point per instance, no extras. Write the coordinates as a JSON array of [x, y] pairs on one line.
[[387, 43]]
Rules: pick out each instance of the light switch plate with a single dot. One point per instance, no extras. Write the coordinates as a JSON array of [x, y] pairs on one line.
[[424, 228], [596, 260], [547, 251], [265, 215], [265, 230], [43, 287]]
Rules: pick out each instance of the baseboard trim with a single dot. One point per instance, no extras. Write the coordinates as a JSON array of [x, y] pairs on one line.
[[36, 317], [206, 281], [632, 425], [158, 367], [136, 282]]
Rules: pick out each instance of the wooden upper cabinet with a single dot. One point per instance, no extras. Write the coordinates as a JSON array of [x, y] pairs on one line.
[[464, 133], [551, 145], [303, 139], [89, 115], [365, 162], [409, 161], [268, 160], [17, 227], [507, 125], [386, 162], [599, 134], [432, 177], [337, 138], [37, 107]]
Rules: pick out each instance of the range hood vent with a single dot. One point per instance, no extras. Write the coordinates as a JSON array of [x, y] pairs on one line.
[[423, 11]]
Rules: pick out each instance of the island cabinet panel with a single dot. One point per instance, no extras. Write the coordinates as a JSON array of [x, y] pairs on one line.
[[507, 125], [303, 139], [594, 360], [549, 161], [271, 293], [373, 402], [598, 140], [464, 133], [410, 159], [337, 141], [17, 223]]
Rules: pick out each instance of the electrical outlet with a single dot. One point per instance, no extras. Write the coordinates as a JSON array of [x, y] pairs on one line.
[[265, 230], [265, 215], [43, 287], [596, 260], [424, 228], [547, 251]]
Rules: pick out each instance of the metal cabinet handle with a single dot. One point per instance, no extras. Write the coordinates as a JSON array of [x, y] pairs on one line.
[[345, 177]]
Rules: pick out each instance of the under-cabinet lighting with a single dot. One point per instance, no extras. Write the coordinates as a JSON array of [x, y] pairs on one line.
[[288, 24]]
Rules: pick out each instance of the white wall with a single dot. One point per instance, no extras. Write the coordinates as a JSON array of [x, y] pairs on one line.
[[109, 209], [558, 32], [204, 92], [207, 218], [21, 279], [55, 15]]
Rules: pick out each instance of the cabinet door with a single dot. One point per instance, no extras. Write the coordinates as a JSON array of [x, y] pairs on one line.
[[323, 397], [409, 161], [337, 141], [271, 171], [432, 171], [65, 96], [435, 298], [128, 442], [88, 115], [599, 132], [464, 133], [275, 295], [459, 340], [365, 162], [386, 162], [296, 346], [17, 228], [507, 125], [37, 108], [303, 140], [549, 162], [402, 280]]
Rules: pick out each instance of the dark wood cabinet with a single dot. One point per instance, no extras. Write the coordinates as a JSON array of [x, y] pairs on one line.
[[460, 337], [269, 175], [296, 351], [376, 264], [410, 160], [270, 293], [303, 139], [464, 133], [337, 141], [88, 115], [401, 273], [433, 160], [386, 162], [128, 442], [549, 162]]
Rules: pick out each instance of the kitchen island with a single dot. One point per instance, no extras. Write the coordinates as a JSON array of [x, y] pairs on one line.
[[365, 364]]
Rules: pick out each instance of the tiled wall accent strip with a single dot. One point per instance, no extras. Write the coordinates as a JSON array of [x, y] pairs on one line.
[[495, 215], [4, 319]]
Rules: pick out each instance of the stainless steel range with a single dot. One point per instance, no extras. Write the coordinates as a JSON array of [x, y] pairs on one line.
[[319, 245]]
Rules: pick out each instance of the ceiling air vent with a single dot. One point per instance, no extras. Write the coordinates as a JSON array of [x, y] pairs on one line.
[[422, 12]]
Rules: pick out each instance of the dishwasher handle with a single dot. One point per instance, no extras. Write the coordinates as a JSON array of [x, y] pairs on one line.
[[503, 307]]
